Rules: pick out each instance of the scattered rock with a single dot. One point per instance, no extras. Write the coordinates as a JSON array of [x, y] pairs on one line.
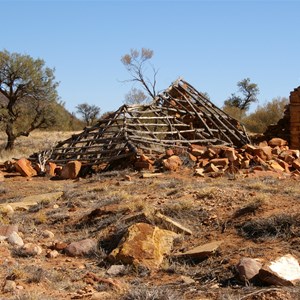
[[31, 249], [30, 201], [115, 270], [248, 268], [169, 223], [6, 209], [9, 286], [71, 170], [48, 234], [284, 271], [15, 239], [101, 296], [7, 230], [201, 252], [187, 280], [52, 254], [50, 169], [23, 166], [81, 248], [277, 142], [144, 245], [172, 163]]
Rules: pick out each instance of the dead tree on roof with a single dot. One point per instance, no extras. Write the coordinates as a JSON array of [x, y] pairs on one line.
[[135, 63]]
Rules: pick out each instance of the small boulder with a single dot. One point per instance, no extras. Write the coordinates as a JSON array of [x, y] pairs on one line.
[[81, 248], [248, 268], [50, 169], [230, 154], [23, 166], [7, 230], [115, 270], [172, 163], [9, 286], [15, 239], [144, 245], [71, 170], [31, 249], [284, 271], [277, 142], [48, 234]]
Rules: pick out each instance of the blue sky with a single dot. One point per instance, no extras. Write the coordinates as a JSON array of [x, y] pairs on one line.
[[211, 44]]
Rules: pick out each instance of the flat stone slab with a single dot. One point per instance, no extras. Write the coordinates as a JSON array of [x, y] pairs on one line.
[[202, 251], [30, 201], [172, 224]]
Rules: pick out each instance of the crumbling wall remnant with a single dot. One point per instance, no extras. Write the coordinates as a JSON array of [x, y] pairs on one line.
[[295, 119]]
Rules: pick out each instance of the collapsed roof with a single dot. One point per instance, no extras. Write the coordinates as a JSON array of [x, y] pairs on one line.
[[176, 118]]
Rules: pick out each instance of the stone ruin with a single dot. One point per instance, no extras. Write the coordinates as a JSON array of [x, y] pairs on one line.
[[288, 127], [177, 118]]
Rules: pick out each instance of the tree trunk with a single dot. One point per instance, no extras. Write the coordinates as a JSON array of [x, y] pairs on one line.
[[11, 138]]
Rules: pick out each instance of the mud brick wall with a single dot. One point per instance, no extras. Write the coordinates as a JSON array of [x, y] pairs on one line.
[[295, 119]]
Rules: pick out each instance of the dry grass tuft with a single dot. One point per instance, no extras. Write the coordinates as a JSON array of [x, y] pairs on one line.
[[278, 226]]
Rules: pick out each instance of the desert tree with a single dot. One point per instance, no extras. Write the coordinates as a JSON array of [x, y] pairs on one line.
[[28, 95], [89, 113], [136, 63], [264, 115], [249, 92]]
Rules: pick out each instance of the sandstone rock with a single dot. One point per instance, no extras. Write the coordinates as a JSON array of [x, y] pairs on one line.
[[7, 230], [284, 271], [71, 170], [211, 168], [23, 166], [115, 270], [263, 144], [9, 286], [249, 148], [50, 168], [15, 239], [29, 201], [296, 164], [102, 296], [220, 162], [81, 248], [248, 268], [202, 251], [52, 254], [192, 157], [6, 210], [152, 175], [144, 245], [274, 165], [169, 223], [230, 154], [277, 142], [59, 246], [31, 249], [197, 150], [199, 172], [143, 165], [48, 234], [265, 153], [169, 152], [172, 163], [187, 280]]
